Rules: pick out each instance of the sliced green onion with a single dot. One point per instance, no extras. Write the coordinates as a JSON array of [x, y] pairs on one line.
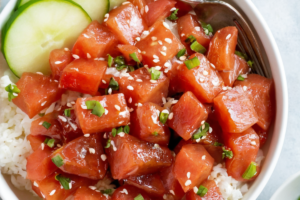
[[218, 144], [110, 60], [107, 144], [126, 129], [190, 39], [163, 117], [192, 63], [119, 60], [113, 84], [120, 129], [134, 57], [46, 125], [12, 90], [114, 132], [181, 53], [58, 161], [155, 133], [227, 153], [173, 15], [64, 181], [240, 78], [207, 28], [241, 55], [131, 68], [120, 67], [195, 46], [155, 74], [67, 112], [97, 108], [46, 140], [250, 63], [41, 114], [139, 197], [50, 143], [202, 191], [201, 132], [107, 191], [250, 171]]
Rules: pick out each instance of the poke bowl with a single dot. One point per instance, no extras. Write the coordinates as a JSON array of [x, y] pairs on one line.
[[18, 119]]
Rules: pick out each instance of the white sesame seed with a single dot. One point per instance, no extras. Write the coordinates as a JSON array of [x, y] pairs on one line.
[[126, 2], [139, 104], [182, 58], [58, 145], [42, 104], [145, 34], [157, 68], [172, 192], [106, 15], [165, 196], [224, 88], [160, 42], [75, 56], [92, 150], [165, 111], [197, 28], [66, 49], [138, 39], [139, 50], [163, 53], [155, 56], [106, 111], [62, 118], [215, 82], [171, 116], [139, 80], [122, 134], [205, 73], [253, 143], [92, 187], [52, 192], [188, 182], [113, 144], [153, 38], [86, 36], [203, 157], [69, 105], [124, 191], [40, 73], [70, 185], [168, 40], [173, 9], [213, 66], [130, 100], [167, 64], [56, 81], [210, 129], [146, 8], [195, 189], [58, 62], [174, 101], [129, 87], [103, 157], [130, 78], [35, 184], [228, 36], [155, 60], [86, 135], [182, 35], [153, 81], [117, 107], [244, 75], [156, 146], [245, 88], [103, 81], [43, 146], [166, 25], [188, 175], [88, 55]]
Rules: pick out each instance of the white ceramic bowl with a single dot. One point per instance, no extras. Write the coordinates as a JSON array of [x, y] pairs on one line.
[[276, 136]]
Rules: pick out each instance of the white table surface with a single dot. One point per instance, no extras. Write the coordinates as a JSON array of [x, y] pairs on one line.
[[283, 18]]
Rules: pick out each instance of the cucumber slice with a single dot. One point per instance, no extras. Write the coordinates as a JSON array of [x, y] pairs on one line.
[[37, 28], [114, 3], [95, 8]]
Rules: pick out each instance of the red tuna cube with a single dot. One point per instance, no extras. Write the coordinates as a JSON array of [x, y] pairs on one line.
[[142, 89], [95, 41], [83, 76], [39, 164], [172, 70], [188, 114], [235, 110], [36, 141], [82, 157], [140, 5], [222, 48], [188, 25], [116, 114], [85, 193], [262, 134], [37, 93], [204, 81], [193, 165], [213, 192], [51, 189], [58, 60], [240, 67], [54, 130], [129, 156], [126, 23], [262, 93], [129, 49], [158, 10], [146, 126], [159, 45], [128, 192], [150, 183], [244, 147]]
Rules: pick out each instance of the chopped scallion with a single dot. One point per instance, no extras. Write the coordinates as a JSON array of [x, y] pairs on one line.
[[163, 117], [120, 129], [155, 133], [46, 125], [113, 84], [120, 67], [155, 74], [218, 144], [114, 132], [134, 57], [139, 197], [50, 143], [107, 191], [181, 53], [195, 46], [250, 63], [58, 161], [250, 171], [119, 60], [173, 15], [107, 144], [207, 28], [201, 132], [241, 55], [46, 140], [202, 191], [227, 153], [126, 129], [97, 108], [12, 90], [110, 60], [240, 78], [190, 39], [41, 114], [192, 63], [67, 112], [64, 181]]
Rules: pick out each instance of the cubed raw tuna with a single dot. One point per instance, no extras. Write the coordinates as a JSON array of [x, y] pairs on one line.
[[116, 114], [262, 93], [171, 69], [83, 76], [188, 114], [85, 193], [158, 45], [262, 134], [142, 89], [126, 23], [129, 156], [58, 60], [129, 192], [204, 81], [213, 192], [36, 141], [140, 5], [235, 111], [146, 126], [126, 50], [193, 165], [222, 48], [37, 93]]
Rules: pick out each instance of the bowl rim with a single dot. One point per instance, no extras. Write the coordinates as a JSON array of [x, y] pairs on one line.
[[277, 66]]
